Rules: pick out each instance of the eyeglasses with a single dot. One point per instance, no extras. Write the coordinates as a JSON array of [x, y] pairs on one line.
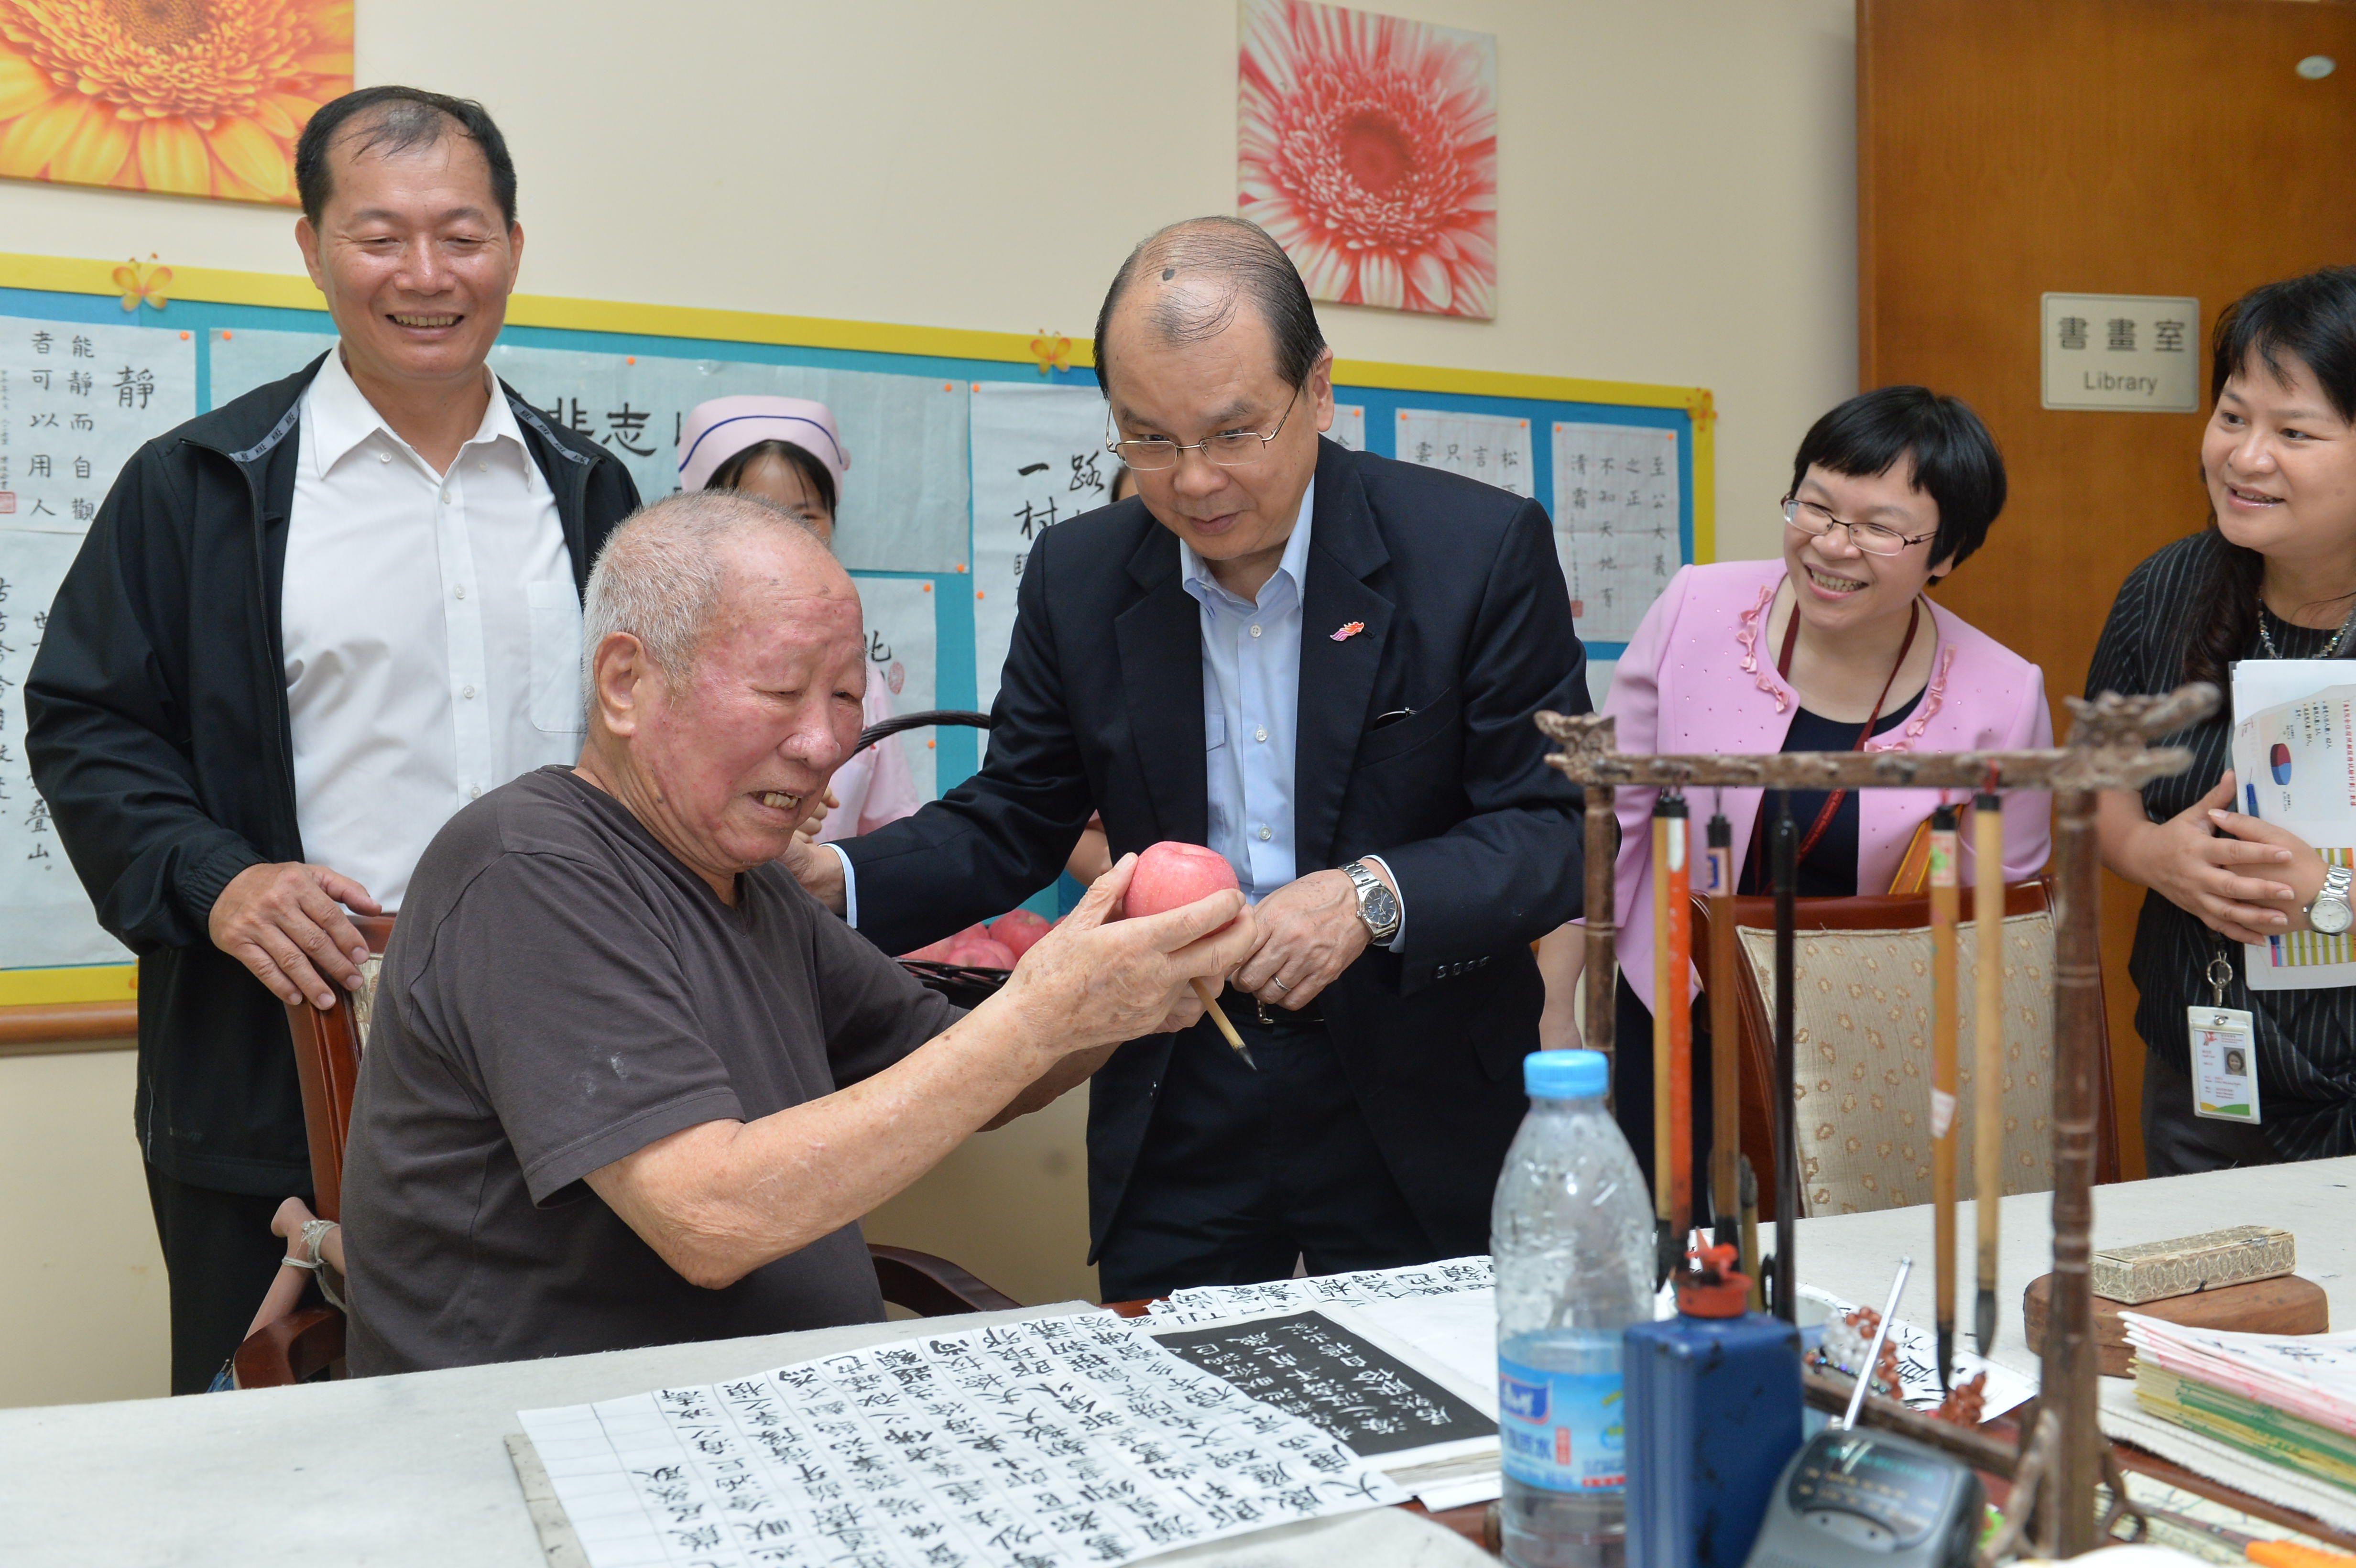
[[1228, 449], [1871, 538]]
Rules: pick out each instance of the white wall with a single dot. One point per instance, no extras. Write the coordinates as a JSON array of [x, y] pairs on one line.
[[1677, 205]]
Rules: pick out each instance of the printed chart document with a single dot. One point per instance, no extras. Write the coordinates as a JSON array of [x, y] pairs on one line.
[[2295, 766], [1062, 1441]]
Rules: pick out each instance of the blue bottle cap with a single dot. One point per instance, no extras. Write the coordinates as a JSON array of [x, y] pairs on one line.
[[1565, 1075]]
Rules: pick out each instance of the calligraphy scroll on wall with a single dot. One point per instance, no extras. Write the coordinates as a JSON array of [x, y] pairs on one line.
[[76, 402]]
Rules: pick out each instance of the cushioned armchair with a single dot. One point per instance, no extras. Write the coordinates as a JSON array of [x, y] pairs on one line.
[[1861, 1024]]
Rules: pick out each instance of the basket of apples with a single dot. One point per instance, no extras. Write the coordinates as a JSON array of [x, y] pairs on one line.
[[970, 966]]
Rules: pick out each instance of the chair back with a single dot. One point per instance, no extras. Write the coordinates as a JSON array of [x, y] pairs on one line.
[[327, 1045], [1861, 1029]]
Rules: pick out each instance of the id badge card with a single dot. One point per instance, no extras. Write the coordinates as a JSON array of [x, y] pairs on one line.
[[2225, 1064]]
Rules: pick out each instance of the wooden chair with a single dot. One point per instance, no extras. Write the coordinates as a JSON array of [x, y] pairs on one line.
[[1861, 1021], [309, 1342]]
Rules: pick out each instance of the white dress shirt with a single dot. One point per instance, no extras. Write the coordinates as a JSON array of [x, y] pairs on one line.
[[1252, 714], [431, 630]]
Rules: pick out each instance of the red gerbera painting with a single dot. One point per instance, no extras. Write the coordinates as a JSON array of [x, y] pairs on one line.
[[1368, 148]]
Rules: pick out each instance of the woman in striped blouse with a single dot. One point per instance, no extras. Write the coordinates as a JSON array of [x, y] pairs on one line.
[[2273, 576]]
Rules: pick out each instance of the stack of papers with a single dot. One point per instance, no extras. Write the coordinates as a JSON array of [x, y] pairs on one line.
[[2290, 1400]]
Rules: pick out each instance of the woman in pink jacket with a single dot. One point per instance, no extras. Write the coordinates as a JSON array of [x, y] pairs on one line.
[[1834, 646]]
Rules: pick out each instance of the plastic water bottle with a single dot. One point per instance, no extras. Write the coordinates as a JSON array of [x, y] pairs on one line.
[[1572, 1231]]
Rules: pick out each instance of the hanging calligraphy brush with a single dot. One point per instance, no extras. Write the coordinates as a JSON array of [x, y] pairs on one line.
[[1987, 1054], [1782, 867], [1725, 1084], [1665, 978], [1944, 1005], [1677, 1006]]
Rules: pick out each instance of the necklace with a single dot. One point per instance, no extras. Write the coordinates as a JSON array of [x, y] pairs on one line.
[[2332, 652]]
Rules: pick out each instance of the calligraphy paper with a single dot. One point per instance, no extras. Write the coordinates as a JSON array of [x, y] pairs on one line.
[[1214, 1303], [1062, 1441], [1039, 459], [1492, 448], [904, 501], [1617, 522], [901, 654], [1317, 1369], [77, 400], [1349, 426]]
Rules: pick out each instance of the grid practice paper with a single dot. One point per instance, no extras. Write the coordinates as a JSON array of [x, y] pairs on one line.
[[1062, 1441]]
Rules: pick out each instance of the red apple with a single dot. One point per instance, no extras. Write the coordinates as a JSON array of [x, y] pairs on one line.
[[1018, 930], [984, 953], [931, 953], [1171, 875]]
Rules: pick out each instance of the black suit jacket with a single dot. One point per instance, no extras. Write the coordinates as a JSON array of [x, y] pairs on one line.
[[1100, 708]]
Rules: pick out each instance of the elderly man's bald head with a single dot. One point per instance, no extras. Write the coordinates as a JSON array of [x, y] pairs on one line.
[[665, 576], [1188, 282]]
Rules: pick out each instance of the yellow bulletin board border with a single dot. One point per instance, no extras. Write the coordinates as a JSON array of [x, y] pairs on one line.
[[157, 285]]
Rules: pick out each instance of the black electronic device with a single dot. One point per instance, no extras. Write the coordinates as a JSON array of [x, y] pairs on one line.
[[1852, 1498]]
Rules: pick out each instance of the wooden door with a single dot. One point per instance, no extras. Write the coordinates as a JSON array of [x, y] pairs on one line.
[[2009, 148]]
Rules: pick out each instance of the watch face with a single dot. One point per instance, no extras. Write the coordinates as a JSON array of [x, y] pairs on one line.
[[2330, 915]]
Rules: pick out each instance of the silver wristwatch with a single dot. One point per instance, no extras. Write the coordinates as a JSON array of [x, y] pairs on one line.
[[1379, 907], [2329, 913]]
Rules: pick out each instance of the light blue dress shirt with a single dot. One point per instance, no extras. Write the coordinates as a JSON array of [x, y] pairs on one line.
[[1251, 713], [1251, 709]]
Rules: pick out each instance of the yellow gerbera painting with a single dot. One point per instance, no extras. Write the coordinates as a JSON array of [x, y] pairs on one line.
[[195, 96]]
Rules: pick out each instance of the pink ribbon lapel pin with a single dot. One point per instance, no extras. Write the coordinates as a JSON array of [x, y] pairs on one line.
[[1348, 630]]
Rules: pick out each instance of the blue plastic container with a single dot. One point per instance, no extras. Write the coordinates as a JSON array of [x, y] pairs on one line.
[[1712, 1415]]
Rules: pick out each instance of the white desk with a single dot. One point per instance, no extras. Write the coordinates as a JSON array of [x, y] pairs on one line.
[[1854, 1256], [414, 1469]]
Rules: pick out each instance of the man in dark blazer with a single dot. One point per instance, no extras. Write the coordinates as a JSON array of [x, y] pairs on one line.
[[1322, 664]]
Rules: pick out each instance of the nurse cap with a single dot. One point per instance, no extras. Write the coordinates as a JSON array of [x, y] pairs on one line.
[[717, 429]]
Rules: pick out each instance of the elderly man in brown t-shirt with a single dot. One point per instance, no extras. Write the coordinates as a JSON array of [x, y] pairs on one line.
[[627, 1084]]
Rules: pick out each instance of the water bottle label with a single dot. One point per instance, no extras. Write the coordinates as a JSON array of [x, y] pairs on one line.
[[1561, 1431]]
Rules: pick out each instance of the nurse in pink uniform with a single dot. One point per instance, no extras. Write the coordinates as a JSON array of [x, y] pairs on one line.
[[787, 449]]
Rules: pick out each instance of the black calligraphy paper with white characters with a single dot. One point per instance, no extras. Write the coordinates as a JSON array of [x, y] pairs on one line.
[[1311, 1366]]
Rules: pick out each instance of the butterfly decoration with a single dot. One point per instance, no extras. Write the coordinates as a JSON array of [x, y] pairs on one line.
[[138, 281], [1053, 352], [1344, 632]]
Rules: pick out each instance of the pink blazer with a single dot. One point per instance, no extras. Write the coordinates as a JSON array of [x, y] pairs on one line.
[[1699, 677]]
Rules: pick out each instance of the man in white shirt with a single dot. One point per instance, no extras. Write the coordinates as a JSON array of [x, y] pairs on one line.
[[303, 631]]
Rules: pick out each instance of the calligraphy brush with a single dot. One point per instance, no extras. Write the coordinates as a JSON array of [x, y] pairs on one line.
[[2259, 1548], [1987, 1053], [1725, 1086], [1677, 1008], [1219, 1020], [1785, 841], [1943, 1010], [1664, 1234]]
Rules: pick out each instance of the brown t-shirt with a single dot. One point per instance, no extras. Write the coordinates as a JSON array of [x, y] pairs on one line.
[[560, 992]]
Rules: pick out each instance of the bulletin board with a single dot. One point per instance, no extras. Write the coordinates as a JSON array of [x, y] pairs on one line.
[[963, 446]]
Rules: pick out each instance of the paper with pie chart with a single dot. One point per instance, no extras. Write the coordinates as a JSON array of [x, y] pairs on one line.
[[2295, 766]]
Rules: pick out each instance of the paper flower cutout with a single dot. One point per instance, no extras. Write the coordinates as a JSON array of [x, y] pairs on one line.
[[195, 96], [1368, 148]]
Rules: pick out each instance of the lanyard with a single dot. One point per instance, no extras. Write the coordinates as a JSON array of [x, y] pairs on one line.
[[1783, 667]]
